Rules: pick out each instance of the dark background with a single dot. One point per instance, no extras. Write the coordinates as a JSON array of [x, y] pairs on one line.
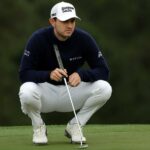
[[121, 28]]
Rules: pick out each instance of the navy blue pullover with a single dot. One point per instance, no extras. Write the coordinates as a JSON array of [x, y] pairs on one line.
[[39, 57]]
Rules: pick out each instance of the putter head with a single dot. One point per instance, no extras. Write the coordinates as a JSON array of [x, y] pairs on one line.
[[84, 146]]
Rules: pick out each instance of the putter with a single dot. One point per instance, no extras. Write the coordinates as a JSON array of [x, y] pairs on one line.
[[82, 146]]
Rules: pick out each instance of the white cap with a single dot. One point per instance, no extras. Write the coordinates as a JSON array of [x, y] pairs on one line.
[[63, 11]]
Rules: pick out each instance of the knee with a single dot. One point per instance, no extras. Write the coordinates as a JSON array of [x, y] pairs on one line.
[[29, 92], [104, 89]]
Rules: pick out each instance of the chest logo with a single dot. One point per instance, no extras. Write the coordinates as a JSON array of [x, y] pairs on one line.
[[75, 58]]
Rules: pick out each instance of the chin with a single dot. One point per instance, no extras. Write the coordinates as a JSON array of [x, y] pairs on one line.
[[67, 36]]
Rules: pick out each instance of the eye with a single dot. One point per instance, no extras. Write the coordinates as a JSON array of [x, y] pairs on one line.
[[72, 20]]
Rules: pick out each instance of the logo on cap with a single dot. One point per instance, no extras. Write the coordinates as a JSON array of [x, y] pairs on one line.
[[67, 9]]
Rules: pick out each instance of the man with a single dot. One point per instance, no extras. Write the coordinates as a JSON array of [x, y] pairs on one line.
[[43, 89]]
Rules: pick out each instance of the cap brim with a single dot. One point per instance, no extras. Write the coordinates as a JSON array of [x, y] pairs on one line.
[[65, 18]]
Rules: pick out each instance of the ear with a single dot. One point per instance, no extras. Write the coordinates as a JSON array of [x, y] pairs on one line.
[[52, 21]]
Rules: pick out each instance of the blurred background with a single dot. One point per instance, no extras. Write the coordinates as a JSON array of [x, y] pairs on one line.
[[122, 30]]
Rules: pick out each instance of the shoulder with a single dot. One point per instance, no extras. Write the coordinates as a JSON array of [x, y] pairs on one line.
[[83, 35], [42, 32], [39, 37], [81, 32]]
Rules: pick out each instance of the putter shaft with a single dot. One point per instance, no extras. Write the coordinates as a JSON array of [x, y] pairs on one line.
[[81, 143]]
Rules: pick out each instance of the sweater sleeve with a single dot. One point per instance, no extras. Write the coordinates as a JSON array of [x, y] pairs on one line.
[[98, 68], [28, 71]]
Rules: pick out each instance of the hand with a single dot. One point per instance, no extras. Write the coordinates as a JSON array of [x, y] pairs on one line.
[[74, 79], [57, 74]]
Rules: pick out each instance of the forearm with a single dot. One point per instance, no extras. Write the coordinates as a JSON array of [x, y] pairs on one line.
[[34, 76], [91, 75]]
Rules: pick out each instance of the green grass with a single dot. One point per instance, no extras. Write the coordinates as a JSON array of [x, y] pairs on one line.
[[100, 137]]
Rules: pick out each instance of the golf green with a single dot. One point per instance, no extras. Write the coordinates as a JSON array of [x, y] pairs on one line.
[[99, 137]]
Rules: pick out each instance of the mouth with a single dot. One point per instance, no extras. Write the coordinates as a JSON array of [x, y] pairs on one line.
[[69, 31]]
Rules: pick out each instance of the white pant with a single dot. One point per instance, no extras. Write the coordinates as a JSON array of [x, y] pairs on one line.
[[45, 97]]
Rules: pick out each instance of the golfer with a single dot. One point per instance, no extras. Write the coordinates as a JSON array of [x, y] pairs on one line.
[[43, 89]]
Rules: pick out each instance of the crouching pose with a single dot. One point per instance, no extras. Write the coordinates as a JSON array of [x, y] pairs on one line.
[[43, 89]]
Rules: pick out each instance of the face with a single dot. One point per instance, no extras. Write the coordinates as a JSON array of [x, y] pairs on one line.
[[63, 29]]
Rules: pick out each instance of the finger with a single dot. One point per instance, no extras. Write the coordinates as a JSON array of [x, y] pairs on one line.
[[73, 84], [63, 72], [58, 73], [73, 78], [55, 77], [73, 81]]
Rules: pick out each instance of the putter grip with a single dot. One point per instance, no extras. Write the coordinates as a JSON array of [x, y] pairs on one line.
[[59, 60]]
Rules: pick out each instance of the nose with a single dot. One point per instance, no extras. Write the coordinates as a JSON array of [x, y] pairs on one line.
[[70, 24]]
